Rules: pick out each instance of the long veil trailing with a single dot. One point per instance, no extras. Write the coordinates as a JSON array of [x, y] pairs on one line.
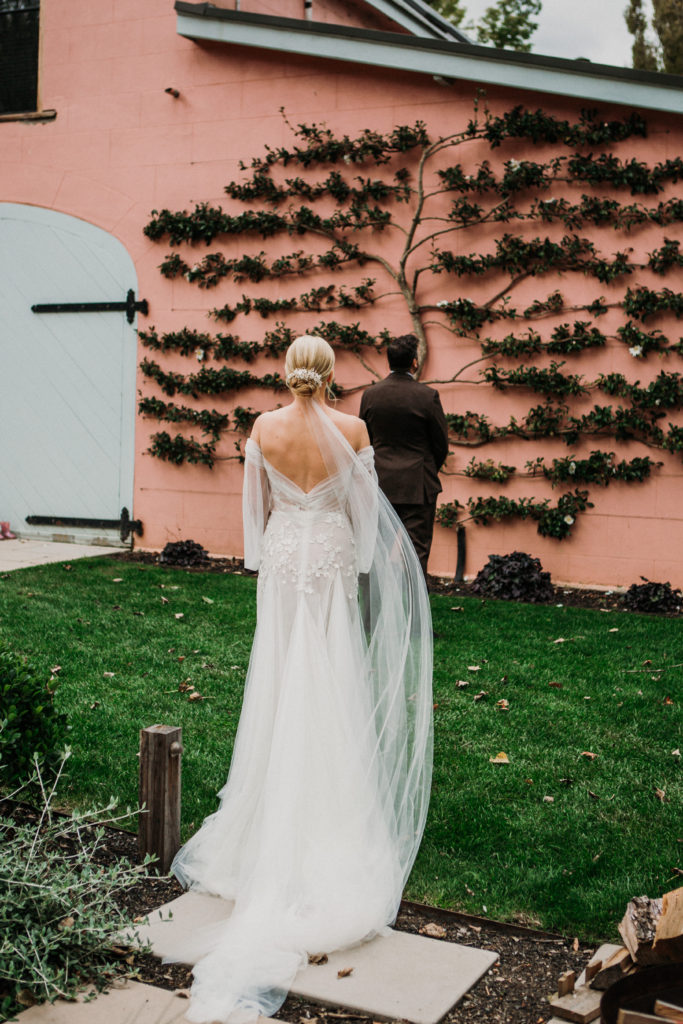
[[324, 808]]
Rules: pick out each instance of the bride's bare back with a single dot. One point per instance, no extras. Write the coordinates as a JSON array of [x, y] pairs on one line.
[[285, 439]]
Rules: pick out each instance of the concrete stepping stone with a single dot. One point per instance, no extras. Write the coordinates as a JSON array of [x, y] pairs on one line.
[[133, 1003], [400, 975]]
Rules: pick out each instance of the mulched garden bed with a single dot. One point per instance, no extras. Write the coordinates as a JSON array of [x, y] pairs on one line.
[[575, 597], [514, 991]]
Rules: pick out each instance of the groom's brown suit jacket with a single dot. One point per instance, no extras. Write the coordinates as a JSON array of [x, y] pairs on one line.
[[409, 434]]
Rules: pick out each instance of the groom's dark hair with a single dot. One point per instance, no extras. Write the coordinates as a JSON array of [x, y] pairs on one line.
[[401, 351]]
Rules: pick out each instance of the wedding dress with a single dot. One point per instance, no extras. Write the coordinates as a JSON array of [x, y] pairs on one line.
[[323, 811]]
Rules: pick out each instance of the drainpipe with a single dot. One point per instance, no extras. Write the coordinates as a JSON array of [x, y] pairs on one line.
[[462, 552], [308, 10]]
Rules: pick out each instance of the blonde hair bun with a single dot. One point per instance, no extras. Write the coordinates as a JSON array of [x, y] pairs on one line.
[[308, 364]]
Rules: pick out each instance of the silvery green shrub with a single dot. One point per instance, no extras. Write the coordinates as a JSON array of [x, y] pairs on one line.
[[59, 916]]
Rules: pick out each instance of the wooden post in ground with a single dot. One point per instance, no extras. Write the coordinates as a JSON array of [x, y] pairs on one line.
[[159, 793]]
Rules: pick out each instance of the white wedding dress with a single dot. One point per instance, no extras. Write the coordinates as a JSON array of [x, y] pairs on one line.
[[325, 803]]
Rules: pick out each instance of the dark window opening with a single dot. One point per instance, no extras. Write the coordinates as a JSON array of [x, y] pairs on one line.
[[19, 56]]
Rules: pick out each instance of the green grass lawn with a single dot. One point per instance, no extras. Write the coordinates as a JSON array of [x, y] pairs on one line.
[[493, 844]]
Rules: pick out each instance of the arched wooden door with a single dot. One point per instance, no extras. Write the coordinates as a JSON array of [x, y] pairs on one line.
[[68, 378]]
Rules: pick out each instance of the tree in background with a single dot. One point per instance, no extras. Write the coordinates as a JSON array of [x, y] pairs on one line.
[[665, 52], [507, 24]]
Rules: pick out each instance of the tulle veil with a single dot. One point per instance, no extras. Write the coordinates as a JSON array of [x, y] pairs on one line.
[[377, 646]]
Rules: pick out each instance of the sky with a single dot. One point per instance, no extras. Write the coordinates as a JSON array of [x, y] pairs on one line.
[[576, 28]]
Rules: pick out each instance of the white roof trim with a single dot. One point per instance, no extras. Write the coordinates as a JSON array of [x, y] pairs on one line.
[[445, 60]]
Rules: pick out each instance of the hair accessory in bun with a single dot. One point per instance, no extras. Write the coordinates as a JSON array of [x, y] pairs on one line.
[[308, 376]]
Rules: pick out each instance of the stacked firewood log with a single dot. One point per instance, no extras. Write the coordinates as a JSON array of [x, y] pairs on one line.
[[652, 932]]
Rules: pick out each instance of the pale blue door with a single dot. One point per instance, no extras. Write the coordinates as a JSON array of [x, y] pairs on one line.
[[67, 380]]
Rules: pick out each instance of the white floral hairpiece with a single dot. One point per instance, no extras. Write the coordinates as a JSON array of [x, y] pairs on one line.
[[306, 375]]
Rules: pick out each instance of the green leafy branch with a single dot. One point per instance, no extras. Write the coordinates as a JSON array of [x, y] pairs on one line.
[[599, 468], [552, 521]]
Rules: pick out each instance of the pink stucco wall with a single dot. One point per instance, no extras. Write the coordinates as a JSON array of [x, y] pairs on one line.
[[120, 146]]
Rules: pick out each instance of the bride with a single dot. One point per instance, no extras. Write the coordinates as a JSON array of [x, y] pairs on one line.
[[325, 803]]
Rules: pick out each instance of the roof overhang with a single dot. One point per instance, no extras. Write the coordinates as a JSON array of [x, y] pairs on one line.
[[437, 58], [418, 18]]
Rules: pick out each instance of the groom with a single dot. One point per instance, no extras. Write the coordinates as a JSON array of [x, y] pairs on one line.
[[409, 433]]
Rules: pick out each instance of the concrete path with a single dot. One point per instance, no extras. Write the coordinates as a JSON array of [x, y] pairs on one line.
[[130, 1003], [398, 976], [21, 554]]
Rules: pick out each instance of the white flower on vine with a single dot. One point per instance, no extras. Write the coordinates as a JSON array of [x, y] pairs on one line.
[[636, 351], [200, 355], [443, 304], [569, 520], [514, 165], [572, 467]]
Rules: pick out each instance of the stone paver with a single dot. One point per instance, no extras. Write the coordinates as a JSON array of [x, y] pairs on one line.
[[395, 976], [131, 1004], [21, 554]]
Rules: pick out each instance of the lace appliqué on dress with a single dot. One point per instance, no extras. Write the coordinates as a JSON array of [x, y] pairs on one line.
[[305, 549]]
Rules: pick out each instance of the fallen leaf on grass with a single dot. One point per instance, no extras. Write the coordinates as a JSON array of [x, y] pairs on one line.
[[95, 705], [648, 661], [503, 704], [195, 696], [676, 753], [560, 640], [500, 758], [118, 580], [462, 683], [108, 675], [55, 669], [474, 668], [67, 568], [141, 614], [207, 600], [614, 629], [317, 958], [557, 686], [566, 782], [667, 700], [164, 600], [660, 794], [482, 695], [593, 795], [433, 930], [548, 799], [345, 972], [457, 608], [587, 753], [179, 615]]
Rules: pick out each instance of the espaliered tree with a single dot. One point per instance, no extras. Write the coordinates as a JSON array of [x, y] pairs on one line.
[[336, 227]]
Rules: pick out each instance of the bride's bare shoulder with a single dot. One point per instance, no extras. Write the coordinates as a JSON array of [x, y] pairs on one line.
[[353, 428], [264, 423]]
